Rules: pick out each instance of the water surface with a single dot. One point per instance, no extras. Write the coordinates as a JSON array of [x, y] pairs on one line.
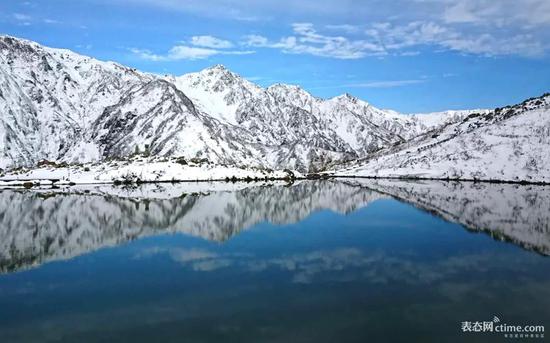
[[335, 260]]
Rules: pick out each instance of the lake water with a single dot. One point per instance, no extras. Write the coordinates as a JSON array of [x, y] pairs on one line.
[[316, 261]]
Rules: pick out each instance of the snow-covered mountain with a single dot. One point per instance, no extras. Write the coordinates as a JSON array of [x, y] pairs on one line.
[[59, 106], [505, 144], [51, 99], [303, 131]]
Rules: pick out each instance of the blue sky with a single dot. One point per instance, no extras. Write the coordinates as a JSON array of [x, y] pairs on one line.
[[411, 56]]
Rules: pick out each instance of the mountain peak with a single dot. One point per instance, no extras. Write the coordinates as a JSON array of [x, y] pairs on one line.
[[347, 97], [65, 107], [285, 88], [10, 42], [284, 85], [217, 67], [218, 72], [5, 37]]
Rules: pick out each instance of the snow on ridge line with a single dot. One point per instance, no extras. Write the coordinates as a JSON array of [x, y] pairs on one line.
[[74, 109], [508, 144], [214, 68]]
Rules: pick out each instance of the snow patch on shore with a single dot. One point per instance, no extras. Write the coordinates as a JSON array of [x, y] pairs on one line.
[[136, 171]]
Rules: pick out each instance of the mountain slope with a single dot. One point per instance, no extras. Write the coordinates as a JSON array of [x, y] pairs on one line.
[[51, 97], [506, 144], [59, 106], [304, 132]]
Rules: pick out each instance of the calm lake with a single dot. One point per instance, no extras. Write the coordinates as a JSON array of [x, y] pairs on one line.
[[344, 260]]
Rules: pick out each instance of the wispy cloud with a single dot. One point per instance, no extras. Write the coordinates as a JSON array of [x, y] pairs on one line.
[[308, 41], [182, 52], [351, 29], [244, 10], [498, 13], [27, 19], [397, 37], [385, 38], [211, 42], [450, 75], [22, 19], [486, 12], [199, 47], [51, 21], [347, 28]]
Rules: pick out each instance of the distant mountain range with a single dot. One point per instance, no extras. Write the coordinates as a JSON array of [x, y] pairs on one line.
[[59, 106]]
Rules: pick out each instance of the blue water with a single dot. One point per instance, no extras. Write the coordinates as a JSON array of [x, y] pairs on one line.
[[385, 272]]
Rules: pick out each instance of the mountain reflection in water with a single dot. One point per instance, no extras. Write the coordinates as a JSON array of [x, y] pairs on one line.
[[38, 226], [349, 260]]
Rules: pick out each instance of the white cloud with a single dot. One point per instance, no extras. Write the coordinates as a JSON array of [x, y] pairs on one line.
[[404, 40], [198, 47], [350, 12], [211, 42], [397, 37], [51, 21], [308, 41], [176, 53], [460, 12], [498, 13], [486, 27], [347, 28], [182, 52], [244, 10], [21, 17], [26, 19]]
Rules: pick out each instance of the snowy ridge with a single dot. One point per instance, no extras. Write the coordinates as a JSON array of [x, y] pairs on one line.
[[506, 144], [436, 120], [55, 95], [59, 106]]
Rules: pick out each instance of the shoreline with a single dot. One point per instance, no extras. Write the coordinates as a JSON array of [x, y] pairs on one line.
[[56, 183], [410, 178]]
